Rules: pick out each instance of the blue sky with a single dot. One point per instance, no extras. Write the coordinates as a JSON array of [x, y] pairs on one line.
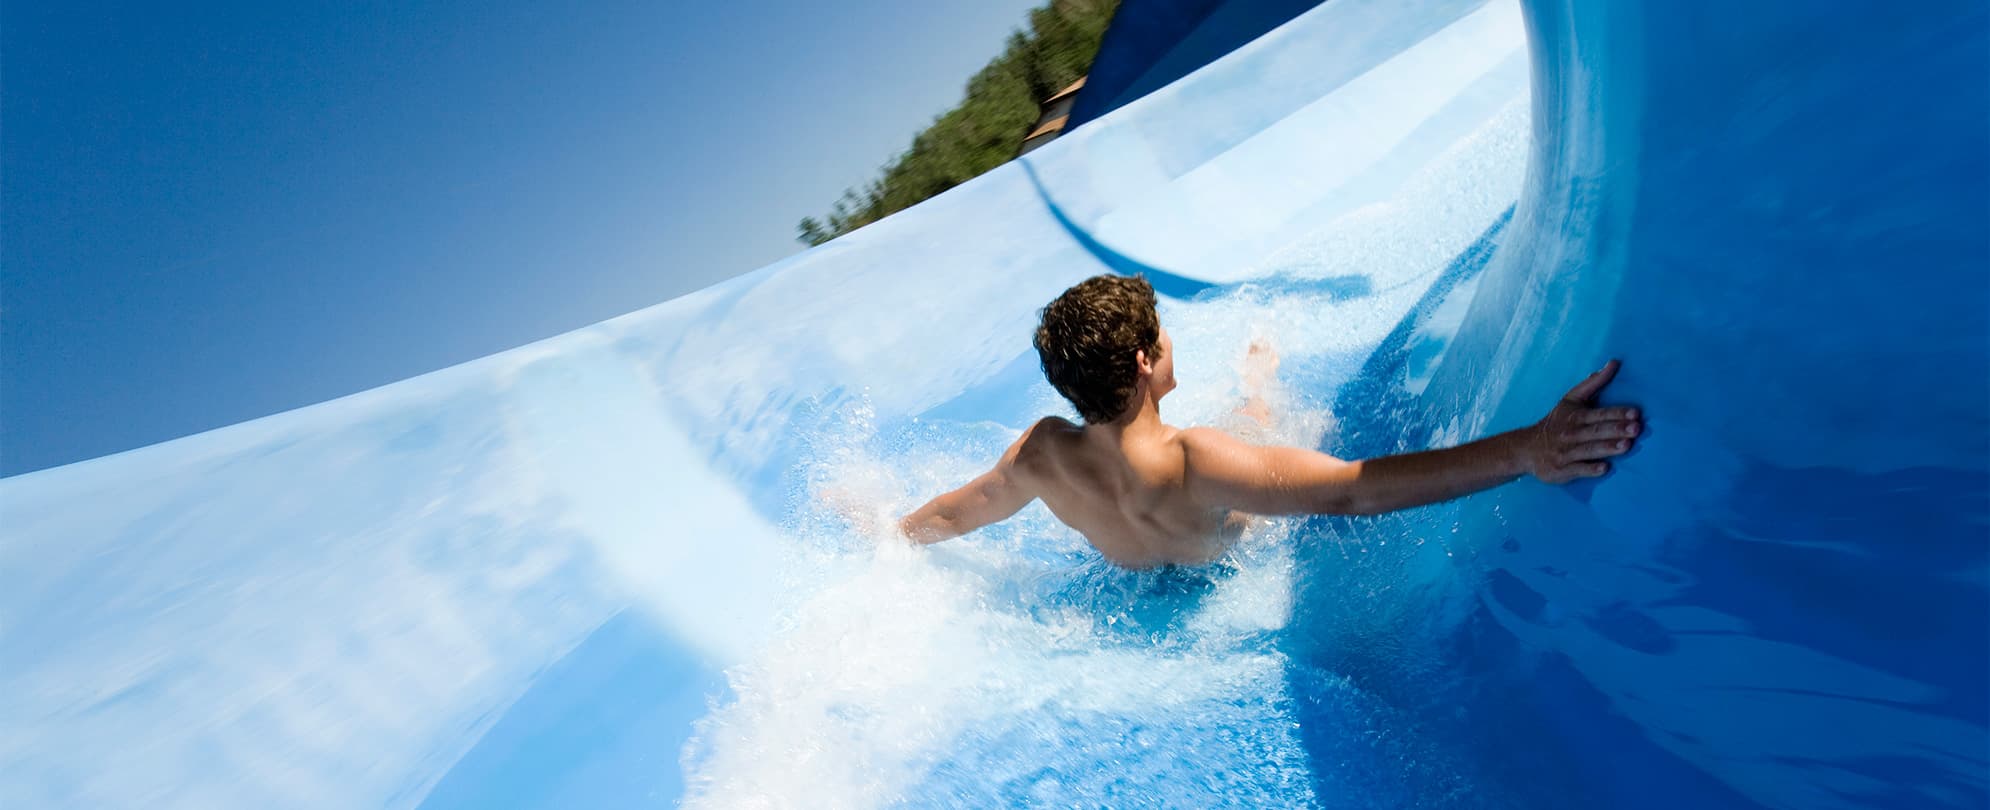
[[221, 211]]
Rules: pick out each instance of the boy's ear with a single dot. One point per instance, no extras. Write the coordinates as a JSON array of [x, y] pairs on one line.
[[1140, 361]]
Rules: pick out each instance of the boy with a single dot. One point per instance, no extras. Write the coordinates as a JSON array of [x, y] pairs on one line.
[[1145, 493]]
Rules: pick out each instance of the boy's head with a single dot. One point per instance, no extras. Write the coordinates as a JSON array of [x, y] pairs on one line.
[[1101, 341]]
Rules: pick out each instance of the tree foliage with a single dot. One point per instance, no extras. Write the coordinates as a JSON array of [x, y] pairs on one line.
[[987, 127]]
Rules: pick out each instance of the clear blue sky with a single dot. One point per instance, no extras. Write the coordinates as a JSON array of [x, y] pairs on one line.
[[219, 211]]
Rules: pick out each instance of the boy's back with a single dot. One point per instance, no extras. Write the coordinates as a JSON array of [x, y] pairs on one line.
[[1127, 494]]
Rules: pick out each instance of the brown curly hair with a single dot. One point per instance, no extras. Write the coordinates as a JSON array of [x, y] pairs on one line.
[[1087, 340]]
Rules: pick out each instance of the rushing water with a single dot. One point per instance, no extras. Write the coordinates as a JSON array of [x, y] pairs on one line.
[[1016, 666]]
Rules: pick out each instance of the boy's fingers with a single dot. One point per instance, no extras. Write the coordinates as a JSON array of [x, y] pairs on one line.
[[1588, 389], [1590, 451], [1589, 470], [1610, 415], [1605, 430]]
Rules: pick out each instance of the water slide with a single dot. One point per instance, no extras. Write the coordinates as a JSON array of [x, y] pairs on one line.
[[597, 571]]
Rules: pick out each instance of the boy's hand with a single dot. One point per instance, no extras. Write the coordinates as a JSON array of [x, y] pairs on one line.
[[1260, 370], [1576, 437], [865, 516]]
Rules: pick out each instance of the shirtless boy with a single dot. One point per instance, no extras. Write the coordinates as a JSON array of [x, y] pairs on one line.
[[1145, 493]]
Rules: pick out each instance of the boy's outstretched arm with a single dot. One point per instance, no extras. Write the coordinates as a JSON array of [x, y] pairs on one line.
[[1573, 441], [992, 497]]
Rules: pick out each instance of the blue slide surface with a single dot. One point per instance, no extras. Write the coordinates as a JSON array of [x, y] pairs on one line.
[[599, 571]]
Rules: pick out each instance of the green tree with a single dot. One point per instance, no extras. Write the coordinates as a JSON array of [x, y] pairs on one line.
[[812, 232], [986, 128]]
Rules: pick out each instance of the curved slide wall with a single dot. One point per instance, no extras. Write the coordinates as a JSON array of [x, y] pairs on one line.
[[589, 571], [1775, 214]]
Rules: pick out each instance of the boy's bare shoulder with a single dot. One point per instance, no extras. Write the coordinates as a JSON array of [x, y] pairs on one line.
[[1204, 440], [1052, 431], [1049, 430], [1045, 440], [1207, 449]]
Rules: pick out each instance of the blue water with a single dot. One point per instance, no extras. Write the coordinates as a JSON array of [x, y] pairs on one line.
[[598, 571]]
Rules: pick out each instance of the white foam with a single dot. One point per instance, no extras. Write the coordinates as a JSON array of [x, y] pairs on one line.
[[893, 652]]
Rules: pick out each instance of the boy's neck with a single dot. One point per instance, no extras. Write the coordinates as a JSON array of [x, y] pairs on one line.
[[1138, 420]]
